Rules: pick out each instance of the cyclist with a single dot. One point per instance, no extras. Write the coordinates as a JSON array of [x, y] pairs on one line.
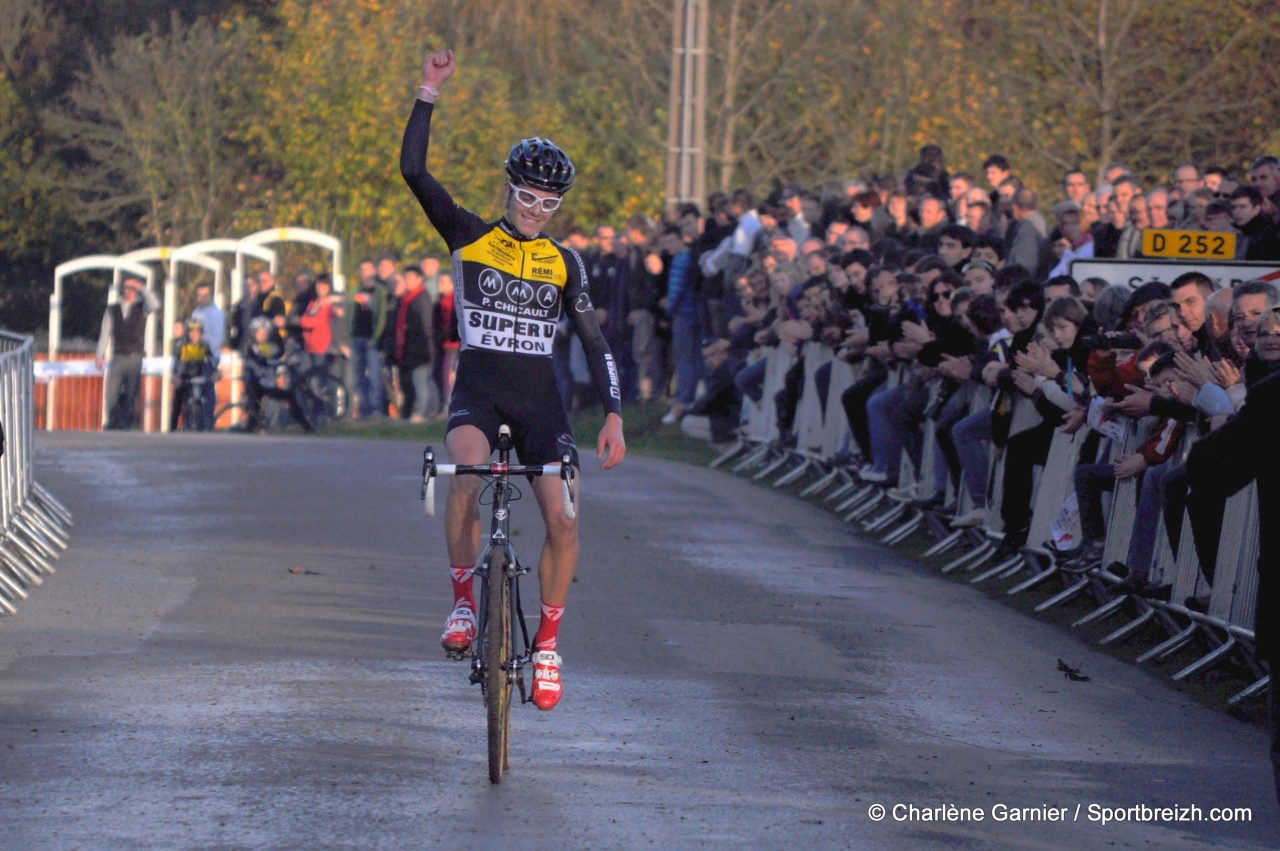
[[263, 361], [194, 361], [511, 284]]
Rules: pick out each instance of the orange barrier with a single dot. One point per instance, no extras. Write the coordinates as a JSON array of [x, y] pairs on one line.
[[78, 402]]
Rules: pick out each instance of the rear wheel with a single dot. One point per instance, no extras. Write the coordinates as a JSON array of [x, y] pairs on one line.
[[497, 660], [328, 399]]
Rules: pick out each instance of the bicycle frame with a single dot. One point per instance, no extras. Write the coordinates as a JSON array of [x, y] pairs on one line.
[[500, 542]]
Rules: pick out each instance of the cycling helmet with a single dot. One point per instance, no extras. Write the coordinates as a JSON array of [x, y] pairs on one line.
[[539, 163], [259, 322]]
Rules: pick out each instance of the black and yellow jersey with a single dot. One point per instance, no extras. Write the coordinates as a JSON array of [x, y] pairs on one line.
[[509, 290], [190, 352], [193, 359]]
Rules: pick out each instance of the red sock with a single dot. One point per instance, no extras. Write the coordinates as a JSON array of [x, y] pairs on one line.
[[463, 594], [548, 627]]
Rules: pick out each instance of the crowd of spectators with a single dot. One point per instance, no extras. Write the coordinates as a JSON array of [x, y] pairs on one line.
[[949, 283], [846, 260], [392, 340], [685, 300]]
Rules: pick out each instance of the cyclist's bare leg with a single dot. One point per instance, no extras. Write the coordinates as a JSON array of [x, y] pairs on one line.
[[559, 560], [466, 445], [556, 567]]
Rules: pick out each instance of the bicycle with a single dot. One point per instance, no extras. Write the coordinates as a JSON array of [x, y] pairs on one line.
[[194, 411], [319, 395], [502, 648]]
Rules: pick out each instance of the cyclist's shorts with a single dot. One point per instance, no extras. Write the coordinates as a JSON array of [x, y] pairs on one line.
[[533, 410]]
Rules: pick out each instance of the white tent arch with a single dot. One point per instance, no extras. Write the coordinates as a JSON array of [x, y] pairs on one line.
[[90, 263], [239, 251], [291, 234], [169, 300]]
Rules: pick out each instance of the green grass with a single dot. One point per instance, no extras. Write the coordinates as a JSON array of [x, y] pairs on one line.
[[646, 435], [385, 429], [642, 425]]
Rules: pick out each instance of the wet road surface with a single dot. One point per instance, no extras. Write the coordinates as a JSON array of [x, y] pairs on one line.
[[741, 669]]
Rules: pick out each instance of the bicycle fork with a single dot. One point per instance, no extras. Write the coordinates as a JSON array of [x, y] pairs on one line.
[[513, 570]]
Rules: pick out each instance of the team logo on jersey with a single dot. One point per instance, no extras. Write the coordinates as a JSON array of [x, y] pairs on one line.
[[547, 296], [490, 282], [583, 304], [519, 292]]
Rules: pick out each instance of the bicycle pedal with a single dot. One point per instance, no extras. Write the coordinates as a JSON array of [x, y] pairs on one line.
[[457, 655]]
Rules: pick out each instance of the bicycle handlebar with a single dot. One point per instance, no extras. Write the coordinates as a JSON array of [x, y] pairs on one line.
[[430, 470], [496, 469]]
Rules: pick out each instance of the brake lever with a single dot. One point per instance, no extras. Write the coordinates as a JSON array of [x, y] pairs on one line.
[[428, 495], [566, 476]]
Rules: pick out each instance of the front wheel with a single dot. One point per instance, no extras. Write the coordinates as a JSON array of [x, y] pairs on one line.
[[193, 411], [234, 416], [272, 415], [497, 664]]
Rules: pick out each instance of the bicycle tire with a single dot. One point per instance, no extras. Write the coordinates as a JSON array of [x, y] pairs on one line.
[[272, 415], [193, 413], [236, 415], [498, 654], [331, 395]]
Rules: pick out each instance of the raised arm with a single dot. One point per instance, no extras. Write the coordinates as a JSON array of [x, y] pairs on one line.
[[446, 216]]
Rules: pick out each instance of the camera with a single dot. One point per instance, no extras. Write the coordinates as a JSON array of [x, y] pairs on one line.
[[1112, 341]]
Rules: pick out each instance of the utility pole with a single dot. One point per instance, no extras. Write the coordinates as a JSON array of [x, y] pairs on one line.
[[687, 121]]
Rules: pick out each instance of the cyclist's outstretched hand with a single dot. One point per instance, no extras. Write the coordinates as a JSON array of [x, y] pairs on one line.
[[437, 68], [611, 447]]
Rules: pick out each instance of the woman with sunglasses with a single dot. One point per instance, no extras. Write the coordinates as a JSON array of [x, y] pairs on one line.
[[511, 284]]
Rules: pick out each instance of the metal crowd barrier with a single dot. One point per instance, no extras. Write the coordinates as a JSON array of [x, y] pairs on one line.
[[34, 527], [1225, 630]]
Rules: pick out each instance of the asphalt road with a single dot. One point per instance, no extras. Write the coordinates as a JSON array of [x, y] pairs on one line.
[[741, 669]]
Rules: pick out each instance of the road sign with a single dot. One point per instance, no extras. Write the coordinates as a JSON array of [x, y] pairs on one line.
[[1190, 244], [1135, 273]]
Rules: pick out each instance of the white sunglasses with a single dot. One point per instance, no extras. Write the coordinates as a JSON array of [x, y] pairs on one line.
[[529, 200]]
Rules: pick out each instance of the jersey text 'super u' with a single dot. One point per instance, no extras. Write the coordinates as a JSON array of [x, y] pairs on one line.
[[512, 292]]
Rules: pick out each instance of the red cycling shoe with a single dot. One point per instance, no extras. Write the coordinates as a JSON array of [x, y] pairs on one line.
[[547, 686], [459, 632]]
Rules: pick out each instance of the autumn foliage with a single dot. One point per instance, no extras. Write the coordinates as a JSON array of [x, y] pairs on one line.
[[240, 115]]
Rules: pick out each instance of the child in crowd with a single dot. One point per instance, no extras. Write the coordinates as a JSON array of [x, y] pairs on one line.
[[192, 367]]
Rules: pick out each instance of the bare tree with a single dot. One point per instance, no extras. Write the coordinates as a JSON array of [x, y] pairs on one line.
[[779, 72], [1141, 82], [156, 121]]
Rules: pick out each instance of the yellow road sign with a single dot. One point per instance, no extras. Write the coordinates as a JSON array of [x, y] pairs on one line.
[[1195, 244]]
